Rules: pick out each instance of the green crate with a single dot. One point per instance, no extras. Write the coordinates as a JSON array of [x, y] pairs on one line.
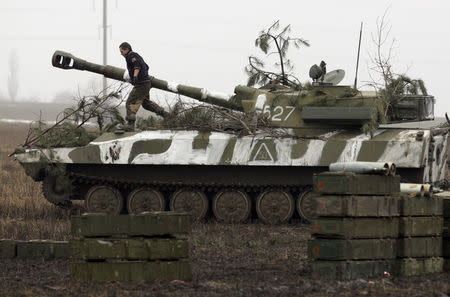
[[446, 207], [354, 249], [445, 196], [414, 247], [146, 224], [348, 183], [129, 248], [8, 249], [446, 265], [355, 227], [446, 247], [446, 228], [132, 271], [420, 226], [357, 206], [42, 249], [347, 270], [420, 206], [419, 266]]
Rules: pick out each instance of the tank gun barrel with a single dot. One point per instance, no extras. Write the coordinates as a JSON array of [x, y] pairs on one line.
[[65, 60]]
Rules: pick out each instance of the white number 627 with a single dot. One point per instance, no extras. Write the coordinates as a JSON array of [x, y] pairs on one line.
[[278, 111]]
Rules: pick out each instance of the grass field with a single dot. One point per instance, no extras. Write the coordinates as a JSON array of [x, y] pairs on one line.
[[24, 213], [228, 260]]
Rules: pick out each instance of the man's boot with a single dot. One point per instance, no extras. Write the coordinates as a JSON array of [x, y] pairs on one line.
[[153, 107], [128, 127]]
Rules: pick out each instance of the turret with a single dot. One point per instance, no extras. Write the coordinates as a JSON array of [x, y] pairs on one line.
[[319, 106], [66, 60]]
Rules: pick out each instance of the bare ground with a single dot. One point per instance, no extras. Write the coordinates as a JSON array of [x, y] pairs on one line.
[[227, 260]]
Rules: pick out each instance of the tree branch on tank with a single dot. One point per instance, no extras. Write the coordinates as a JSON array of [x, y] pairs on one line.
[[206, 118], [259, 76], [277, 38], [69, 128], [390, 85], [210, 118]]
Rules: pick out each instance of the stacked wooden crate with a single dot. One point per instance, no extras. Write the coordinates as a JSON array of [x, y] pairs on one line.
[[419, 246], [144, 247], [446, 229], [33, 249], [356, 231]]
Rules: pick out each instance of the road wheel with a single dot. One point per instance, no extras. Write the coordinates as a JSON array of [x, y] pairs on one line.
[[145, 199], [275, 206], [307, 205], [57, 190], [190, 201], [232, 206], [104, 199]]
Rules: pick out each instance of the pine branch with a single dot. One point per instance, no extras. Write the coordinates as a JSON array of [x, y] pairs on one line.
[[279, 39]]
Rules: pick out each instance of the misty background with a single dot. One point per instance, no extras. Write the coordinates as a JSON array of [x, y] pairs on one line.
[[207, 43]]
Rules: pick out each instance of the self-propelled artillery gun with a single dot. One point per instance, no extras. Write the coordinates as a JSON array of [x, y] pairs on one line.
[[233, 177]]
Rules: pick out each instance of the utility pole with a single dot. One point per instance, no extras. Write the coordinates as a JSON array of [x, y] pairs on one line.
[[105, 31]]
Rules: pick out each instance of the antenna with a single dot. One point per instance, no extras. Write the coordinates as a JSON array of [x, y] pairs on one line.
[[357, 59], [105, 29]]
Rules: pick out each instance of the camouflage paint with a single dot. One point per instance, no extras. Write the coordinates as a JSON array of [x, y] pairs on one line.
[[167, 147]]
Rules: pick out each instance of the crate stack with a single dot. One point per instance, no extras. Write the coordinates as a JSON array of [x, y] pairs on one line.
[[145, 247], [445, 196], [356, 230], [419, 246]]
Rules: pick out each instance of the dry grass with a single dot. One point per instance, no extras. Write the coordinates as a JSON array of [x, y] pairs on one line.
[[24, 213]]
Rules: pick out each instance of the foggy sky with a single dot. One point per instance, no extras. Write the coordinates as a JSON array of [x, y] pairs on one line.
[[207, 43]]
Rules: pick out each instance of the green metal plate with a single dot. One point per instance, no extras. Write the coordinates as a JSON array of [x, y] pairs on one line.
[[353, 115], [146, 224], [357, 206], [355, 249], [412, 247], [355, 184], [346, 270], [420, 226], [42, 249], [355, 227], [130, 249], [419, 266], [132, 271], [420, 206]]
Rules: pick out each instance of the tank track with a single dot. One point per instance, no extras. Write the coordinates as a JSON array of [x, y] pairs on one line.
[[81, 178], [83, 183]]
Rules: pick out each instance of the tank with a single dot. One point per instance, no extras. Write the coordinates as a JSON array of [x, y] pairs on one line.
[[235, 178]]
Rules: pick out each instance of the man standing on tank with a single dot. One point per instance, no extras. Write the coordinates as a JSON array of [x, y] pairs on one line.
[[139, 95]]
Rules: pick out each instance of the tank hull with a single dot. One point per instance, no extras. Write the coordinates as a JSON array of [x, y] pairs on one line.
[[424, 150], [210, 165]]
